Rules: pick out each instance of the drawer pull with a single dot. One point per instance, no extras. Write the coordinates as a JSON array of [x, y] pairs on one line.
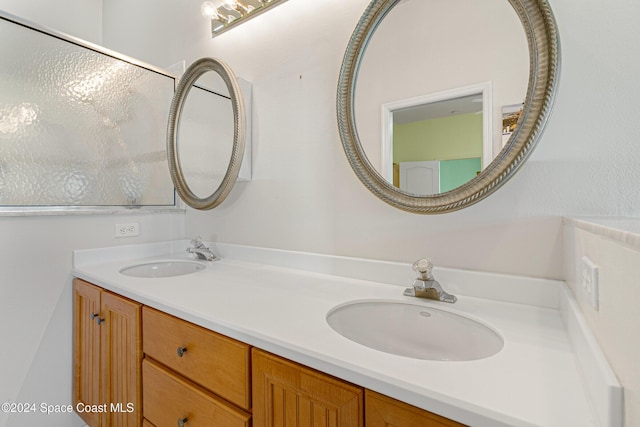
[[96, 317], [182, 421], [181, 351]]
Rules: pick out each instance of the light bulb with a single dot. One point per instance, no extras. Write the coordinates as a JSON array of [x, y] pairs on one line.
[[230, 4], [236, 6], [208, 9]]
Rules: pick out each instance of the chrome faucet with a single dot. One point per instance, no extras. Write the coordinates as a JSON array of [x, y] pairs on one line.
[[425, 286], [201, 251]]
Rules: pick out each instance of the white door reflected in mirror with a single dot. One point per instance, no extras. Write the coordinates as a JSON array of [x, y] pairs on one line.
[[419, 177]]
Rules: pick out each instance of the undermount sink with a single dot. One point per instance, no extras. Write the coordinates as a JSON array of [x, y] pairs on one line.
[[163, 269], [413, 330]]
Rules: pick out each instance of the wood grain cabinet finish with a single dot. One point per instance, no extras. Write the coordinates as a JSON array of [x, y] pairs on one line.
[[217, 363], [171, 400], [286, 394], [86, 349], [107, 356], [383, 411]]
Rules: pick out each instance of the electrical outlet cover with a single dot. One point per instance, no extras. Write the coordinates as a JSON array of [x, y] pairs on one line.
[[127, 230], [590, 285]]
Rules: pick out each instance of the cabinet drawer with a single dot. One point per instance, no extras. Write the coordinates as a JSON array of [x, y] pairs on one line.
[[169, 398], [383, 411], [211, 360]]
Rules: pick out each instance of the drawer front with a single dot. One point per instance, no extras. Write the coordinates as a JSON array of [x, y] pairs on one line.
[[383, 411], [170, 400], [211, 360]]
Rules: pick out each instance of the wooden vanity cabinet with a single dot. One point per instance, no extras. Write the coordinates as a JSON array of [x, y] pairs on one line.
[[288, 394], [107, 351]]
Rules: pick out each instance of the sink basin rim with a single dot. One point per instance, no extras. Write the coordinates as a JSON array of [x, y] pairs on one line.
[[500, 345], [165, 268]]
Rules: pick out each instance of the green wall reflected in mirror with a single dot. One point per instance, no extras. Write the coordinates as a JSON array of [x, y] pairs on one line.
[[453, 139]]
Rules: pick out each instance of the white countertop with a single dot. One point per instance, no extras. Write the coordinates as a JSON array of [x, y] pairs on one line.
[[533, 381]]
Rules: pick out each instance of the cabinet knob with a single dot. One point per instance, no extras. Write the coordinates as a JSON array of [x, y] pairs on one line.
[[97, 318], [182, 421], [181, 351]]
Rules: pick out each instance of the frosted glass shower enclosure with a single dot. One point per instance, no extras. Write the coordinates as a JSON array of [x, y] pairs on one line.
[[80, 126]]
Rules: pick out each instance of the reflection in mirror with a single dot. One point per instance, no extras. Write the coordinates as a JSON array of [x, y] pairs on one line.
[[435, 143], [205, 136], [435, 54]]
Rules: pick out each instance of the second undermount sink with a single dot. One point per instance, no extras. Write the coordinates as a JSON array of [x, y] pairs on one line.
[[163, 269], [416, 331]]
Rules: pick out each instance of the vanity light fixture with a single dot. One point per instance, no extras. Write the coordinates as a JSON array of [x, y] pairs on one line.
[[226, 14]]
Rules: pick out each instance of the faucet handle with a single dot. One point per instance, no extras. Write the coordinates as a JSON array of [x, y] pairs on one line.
[[196, 242], [423, 267]]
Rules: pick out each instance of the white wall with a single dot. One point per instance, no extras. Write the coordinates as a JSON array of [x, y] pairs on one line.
[[35, 264], [36, 303], [78, 18], [304, 195]]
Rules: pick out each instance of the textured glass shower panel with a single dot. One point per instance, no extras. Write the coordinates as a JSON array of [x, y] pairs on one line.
[[79, 127]]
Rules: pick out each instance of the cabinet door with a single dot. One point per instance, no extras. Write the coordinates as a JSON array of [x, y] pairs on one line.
[[121, 356], [107, 352], [286, 394], [383, 411], [86, 349]]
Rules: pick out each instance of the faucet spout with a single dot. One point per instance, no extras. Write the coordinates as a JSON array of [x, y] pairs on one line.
[[425, 286]]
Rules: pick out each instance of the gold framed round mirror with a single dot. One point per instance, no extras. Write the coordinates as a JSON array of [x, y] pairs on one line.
[[190, 145], [539, 36]]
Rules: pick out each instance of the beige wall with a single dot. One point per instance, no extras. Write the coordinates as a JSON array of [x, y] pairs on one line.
[[617, 322]]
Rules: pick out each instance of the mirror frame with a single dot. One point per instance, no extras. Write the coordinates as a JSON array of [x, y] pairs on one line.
[[544, 67], [191, 74]]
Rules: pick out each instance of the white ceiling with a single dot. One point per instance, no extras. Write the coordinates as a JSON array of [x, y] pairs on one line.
[[464, 105]]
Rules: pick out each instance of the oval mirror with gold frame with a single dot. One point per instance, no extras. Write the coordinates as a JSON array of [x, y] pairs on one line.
[[194, 195], [540, 30]]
